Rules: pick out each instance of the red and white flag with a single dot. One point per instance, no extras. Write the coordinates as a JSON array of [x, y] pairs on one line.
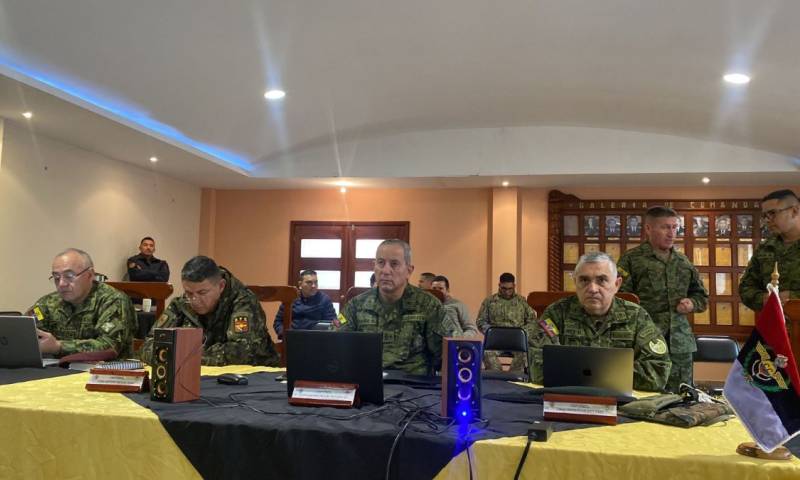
[[763, 386]]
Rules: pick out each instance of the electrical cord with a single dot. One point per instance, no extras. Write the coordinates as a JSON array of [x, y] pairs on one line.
[[524, 455], [397, 441]]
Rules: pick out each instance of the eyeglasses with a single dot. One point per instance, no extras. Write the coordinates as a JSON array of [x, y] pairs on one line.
[[193, 297], [770, 214], [68, 276]]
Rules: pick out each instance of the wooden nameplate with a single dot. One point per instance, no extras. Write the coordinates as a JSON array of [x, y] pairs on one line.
[[750, 449], [108, 380], [325, 394], [580, 408]]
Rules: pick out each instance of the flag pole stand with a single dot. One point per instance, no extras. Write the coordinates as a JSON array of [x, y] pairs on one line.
[[750, 449]]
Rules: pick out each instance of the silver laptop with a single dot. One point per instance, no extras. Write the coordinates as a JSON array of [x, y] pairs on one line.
[[19, 345], [598, 367]]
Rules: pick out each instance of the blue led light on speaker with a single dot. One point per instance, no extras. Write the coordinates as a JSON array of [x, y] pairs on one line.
[[115, 110]]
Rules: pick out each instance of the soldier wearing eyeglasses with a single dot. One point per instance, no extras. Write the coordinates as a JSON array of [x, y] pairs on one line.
[[233, 322], [780, 210], [82, 315]]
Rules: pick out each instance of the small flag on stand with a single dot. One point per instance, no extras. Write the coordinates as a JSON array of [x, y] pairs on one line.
[[763, 386]]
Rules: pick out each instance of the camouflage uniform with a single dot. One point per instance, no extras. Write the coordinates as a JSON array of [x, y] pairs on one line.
[[626, 325], [759, 271], [412, 327], [105, 320], [497, 311], [235, 333], [660, 285]]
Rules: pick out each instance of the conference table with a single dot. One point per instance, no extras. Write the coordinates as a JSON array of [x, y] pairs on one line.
[[53, 428]]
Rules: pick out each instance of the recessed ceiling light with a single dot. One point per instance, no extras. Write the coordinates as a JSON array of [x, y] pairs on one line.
[[343, 189], [27, 115], [505, 183], [737, 78], [706, 180], [274, 94], [153, 159]]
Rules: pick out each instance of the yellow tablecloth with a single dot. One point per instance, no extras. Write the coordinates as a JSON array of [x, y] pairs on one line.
[[54, 428]]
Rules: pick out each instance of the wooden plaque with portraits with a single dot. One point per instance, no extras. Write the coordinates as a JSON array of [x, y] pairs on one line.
[[718, 236]]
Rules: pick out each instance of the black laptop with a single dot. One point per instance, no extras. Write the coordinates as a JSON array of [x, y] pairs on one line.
[[345, 357], [609, 369], [19, 344]]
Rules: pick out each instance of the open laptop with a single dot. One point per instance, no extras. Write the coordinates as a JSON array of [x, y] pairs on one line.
[[346, 357], [597, 367], [19, 345]]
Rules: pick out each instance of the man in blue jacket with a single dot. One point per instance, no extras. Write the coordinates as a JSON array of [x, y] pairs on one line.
[[310, 308]]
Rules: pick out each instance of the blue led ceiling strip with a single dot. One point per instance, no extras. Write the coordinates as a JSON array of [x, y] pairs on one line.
[[122, 114]]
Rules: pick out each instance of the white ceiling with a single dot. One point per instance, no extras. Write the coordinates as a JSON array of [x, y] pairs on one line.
[[184, 79]]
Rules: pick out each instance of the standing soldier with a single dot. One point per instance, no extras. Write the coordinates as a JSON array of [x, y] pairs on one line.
[[668, 287], [505, 309], [781, 211]]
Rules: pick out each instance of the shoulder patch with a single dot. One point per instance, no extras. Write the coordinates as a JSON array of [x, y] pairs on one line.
[[38, 312], [549, 327], [339, 320], [107, 327], [241, 324], [659, 347], [622, 272]]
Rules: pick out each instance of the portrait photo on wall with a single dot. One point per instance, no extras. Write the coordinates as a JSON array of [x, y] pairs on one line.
[[612, 226], [722, 226], [634, 226], [591, 225], [744, 226], [700, 226], [681, 231]]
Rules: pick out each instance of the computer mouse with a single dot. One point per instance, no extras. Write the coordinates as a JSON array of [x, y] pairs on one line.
[[232, 379]]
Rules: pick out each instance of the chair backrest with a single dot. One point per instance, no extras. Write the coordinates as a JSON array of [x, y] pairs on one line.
[[512, 339], [350, 294], [280, 293], [436, 293], [792, 310], [715, 348], [158, 291], [541, 300]]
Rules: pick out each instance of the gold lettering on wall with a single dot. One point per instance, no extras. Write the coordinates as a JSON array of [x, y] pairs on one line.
[[691, 205]]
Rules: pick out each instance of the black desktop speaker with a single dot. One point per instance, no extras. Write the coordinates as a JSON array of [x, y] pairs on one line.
[[176, 364], [461, 378]]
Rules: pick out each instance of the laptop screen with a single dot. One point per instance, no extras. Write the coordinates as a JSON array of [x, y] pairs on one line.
[[19, 345], [345, 357], [598, 367]]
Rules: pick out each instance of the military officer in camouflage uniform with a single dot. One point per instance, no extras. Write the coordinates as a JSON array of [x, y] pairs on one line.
[[781, 211], [412, 320], [505, 309], [233, 322], [82, 315], [668, 287], [595, 317]]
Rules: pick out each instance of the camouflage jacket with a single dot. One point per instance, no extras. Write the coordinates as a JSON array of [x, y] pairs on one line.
[[105, 320], [235, 333], [496, 311], [412, 328], [626, 325], [660, 285], [754, 282]]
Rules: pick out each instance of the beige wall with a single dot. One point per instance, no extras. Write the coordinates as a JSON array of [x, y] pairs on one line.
[[54, 196]]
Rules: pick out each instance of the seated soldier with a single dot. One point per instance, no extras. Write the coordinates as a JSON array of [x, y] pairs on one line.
[[455, 307], [310, 308], [505, 309], [595, 317], [82, 315], [233, 322], [412, 320]]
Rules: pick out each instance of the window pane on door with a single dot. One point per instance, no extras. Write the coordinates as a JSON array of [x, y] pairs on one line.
[[336, 307], [321, 248], [366, 248], [362, 279], [329, 279]]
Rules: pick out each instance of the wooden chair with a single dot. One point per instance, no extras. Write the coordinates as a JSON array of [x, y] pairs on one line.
[[540, 300], [350, 294], [284, 294], [158, 291], [792, 310]]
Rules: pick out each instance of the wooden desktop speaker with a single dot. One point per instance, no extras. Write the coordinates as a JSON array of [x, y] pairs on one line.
[[461, 378], [176, 364]]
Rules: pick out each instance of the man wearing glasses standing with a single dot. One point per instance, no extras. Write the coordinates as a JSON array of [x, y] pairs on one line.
[[82, 315], [233, 322], [780, 210]]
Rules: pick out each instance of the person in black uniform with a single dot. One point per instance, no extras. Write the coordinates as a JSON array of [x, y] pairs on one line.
[[145, 267]]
